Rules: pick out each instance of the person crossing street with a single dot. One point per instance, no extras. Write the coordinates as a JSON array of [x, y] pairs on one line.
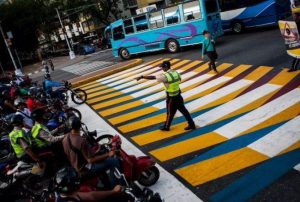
[[171, 80]]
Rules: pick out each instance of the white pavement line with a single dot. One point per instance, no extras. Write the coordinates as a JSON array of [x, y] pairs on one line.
[[197, 90], [131, 79], [259, 115], [120, 73], [297, 167], [171, 189], [279, 139], [234, 105], [159, 95], [125, 75]]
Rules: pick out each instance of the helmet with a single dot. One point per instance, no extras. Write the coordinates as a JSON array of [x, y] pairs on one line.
[[32, 91], [67, 180], [74, 122], [17, 120], [38, 114], [47, 76], [19, 101]]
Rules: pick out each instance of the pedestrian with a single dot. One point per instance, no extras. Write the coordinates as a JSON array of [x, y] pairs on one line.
[[171, 80], [45, 66], [295, 62], [51, 64], [209, 49]]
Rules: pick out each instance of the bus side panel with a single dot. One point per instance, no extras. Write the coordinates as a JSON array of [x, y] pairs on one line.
[[152, 40]]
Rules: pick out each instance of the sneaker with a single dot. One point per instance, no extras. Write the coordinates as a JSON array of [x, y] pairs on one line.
[[163, 128], [190, 127]]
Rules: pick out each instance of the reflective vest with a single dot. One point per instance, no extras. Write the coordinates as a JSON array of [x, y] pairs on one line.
[[14, 136], [173, 79], [35, 132]]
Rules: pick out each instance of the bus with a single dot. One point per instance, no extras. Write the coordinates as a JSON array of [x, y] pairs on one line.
[[169, 28], [237, 15]]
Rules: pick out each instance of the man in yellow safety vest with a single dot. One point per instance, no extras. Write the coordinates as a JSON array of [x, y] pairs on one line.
[[171, 80]]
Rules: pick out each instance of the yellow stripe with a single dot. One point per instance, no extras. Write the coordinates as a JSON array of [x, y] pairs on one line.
[[98, 99], [102, 89], [132, 115], [220, 166], [124, 107], [184, 147], [111, 102], [283, 78], [87, 85], [258, 73]]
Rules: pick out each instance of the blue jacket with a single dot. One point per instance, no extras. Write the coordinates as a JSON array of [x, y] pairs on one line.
[[49, 84]]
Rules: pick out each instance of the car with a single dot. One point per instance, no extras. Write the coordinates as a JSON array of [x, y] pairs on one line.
[[84, 49]]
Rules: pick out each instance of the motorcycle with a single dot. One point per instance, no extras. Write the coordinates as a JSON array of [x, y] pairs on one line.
[[78, 95], [141, 169]]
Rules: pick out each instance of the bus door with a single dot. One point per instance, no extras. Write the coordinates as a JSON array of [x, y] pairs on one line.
[[214, 23]]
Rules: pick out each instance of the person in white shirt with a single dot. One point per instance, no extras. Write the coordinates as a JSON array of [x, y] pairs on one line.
[[20, 104]]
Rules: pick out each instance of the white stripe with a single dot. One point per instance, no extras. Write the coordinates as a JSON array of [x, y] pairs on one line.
[[122, 76], [259, 115], [159, 95], [234, 105], [120, 73], [279, 139], [132, 78], [297, 167], [197, 90]]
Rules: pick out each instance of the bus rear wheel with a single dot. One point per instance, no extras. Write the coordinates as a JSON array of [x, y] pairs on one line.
[[172, 46], [124, 53], [237, 27]]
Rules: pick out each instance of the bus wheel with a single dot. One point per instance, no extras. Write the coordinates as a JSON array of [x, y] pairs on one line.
[[237, 27], [172, 46], [124, 53]]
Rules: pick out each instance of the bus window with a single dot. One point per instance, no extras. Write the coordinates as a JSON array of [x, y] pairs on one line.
[[172, 15], [156, 20], [191, 11], [118, 33], [128, 26], [211, 6], [141, 23]]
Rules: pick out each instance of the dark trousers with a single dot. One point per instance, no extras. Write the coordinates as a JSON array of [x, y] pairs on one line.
[[173, 104], [212, 60], [295, 64]]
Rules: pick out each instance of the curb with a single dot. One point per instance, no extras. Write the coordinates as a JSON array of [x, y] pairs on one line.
[[108, 73]]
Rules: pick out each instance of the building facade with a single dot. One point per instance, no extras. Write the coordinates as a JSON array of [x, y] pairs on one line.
[[133, 5]]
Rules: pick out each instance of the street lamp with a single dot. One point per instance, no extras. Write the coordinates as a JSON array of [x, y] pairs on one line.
[[17, 71], [71, 52]]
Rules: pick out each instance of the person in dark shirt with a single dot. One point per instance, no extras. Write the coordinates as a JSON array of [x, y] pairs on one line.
[[295, 63]]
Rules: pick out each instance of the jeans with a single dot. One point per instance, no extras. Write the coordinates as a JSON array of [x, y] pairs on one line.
[[107, 164]]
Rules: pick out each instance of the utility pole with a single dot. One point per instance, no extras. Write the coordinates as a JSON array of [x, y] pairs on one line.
[[9, 51], [71, 52]]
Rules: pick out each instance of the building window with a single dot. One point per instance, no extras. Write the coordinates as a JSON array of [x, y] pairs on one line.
[[132, 3], [191, 11], [141, 23], [172, 15], [156, 20], [118, 33], [128, 25]]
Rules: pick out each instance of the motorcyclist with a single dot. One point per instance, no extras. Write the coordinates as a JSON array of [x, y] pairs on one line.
[[67, 183], [32, 102], [48, 86], [21, 142], [20, 104], [42, 137], [6, 105], [83, 158]]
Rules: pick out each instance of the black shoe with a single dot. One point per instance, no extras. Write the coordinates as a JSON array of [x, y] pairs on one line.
[[163, 128], [292, 70], [216, 71], [190, 127]]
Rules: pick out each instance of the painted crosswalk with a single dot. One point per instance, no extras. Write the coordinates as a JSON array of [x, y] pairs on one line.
[[247, 121], [86, 67]]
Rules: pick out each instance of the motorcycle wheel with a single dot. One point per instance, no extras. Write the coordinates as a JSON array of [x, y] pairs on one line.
[[79, 96], [74, 112], [149, 177]]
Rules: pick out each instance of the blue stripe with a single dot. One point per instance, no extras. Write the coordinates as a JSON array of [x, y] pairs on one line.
[[232, 145], [259, 178]]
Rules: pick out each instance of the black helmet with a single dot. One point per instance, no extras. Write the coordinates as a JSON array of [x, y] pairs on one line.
[[67, 180], [17, 120], [166, 64], [74, 123], [38, 114], [19, 101], [32, 91]]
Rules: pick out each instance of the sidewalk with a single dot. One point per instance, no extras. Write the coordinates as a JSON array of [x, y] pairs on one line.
[[58, 62]]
